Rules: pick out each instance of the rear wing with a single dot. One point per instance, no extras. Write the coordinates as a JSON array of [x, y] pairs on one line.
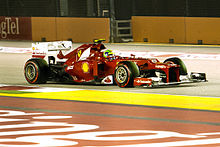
[[41, 49]]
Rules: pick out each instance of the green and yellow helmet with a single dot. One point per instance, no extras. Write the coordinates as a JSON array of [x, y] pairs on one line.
[[107, 53]]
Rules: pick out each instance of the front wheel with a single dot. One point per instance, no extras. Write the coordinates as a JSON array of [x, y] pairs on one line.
[[178, 61], [125, 73], [36, 71]]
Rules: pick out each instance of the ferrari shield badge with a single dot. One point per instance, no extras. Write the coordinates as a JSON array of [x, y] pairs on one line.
[[79, 53]]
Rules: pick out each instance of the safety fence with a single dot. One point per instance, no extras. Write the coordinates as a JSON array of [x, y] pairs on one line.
[[190, 30], [54, 28]]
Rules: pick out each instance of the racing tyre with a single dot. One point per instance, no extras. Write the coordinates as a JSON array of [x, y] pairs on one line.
[[178, 61], [125, 73], [36, 71]]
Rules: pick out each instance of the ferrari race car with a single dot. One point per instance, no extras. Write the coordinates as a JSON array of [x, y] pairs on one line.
[[93, 63]]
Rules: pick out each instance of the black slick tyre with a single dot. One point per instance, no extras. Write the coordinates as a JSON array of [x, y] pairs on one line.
[[178, 61], [36, 71]]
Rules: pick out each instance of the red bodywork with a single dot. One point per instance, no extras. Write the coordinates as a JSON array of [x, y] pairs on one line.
[[93, 63], [96, 67]]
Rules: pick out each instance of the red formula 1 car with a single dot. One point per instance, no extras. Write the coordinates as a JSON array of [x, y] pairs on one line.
[[93, 63]]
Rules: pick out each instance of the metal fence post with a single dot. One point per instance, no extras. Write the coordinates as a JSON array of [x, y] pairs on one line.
[[112, 21]]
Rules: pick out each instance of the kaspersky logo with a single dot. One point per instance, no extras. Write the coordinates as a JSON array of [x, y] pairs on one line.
[[9, 26]]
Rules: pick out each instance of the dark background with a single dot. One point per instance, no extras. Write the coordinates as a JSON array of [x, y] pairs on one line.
[[124, 9]]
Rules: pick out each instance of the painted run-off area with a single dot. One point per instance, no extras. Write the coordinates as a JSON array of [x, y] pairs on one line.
[[40, 122]]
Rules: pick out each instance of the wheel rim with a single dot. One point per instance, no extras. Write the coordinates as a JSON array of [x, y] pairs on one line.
[[30, 72], [121, 75]]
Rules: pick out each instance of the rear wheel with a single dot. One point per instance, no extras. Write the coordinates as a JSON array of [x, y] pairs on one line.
[[36, 71]]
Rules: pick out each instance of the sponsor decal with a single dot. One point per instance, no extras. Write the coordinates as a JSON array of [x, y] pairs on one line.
[[160, 66], [144, 82], [9, 26], [85, 67], [17, 28]]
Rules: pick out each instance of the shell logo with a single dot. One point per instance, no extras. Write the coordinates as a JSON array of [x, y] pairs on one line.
[[85, 67]]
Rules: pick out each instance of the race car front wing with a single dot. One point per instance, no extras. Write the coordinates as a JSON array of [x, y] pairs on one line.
[[157, 81]]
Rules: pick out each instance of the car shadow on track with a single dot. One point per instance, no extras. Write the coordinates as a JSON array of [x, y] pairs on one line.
[[105, 86]]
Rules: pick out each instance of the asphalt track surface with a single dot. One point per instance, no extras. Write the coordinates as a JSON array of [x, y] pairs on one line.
[[12, 69], [88, 115]]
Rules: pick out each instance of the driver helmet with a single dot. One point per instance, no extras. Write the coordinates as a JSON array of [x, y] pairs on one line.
[[107, 53]]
